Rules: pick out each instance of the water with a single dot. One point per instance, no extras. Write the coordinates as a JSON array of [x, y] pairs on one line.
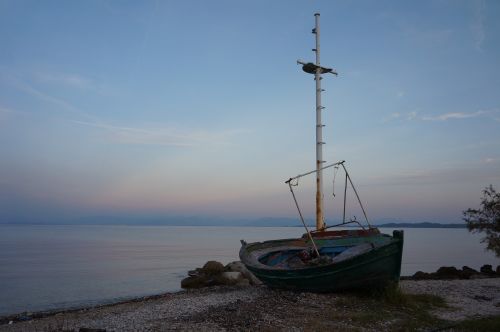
[[52, 267]]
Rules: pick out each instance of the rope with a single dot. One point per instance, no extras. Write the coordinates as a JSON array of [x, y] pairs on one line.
[[311, 172], [336, 169], [345, 197], [302, 218], [295, 182], [355, 191]]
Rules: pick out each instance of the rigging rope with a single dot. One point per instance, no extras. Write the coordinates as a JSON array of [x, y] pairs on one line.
[[356, 192], [295, 182], [336, 169], [302, 218]]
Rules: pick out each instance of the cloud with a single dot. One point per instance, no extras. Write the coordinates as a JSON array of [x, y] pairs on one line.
[[166, 136], [59, 102], [477, 25], [480, 172], [4, 110], [491, 160], [401, 116], [6, 113], [65, 79], [493, 114], [393, 116], [453, 115], [21, 84], [46, 97], [72, 81], [411, 115]]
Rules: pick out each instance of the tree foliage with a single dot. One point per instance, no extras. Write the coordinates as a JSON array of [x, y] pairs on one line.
[[486, 219]]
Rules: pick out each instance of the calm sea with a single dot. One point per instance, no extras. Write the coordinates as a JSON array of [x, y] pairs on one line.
[[52, 267]]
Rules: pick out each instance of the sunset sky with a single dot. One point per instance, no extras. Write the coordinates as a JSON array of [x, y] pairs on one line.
[[197, 108]]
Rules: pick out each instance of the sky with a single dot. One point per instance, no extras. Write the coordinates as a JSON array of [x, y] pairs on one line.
[[198, 108]]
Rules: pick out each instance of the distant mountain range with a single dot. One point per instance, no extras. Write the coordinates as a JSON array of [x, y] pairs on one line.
[[213, 221], [286, 222], [421, 225]]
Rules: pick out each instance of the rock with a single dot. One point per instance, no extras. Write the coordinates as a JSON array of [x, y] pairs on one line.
[[195, 272], [419, 275], [240, 267], [212, 268], [468, 269], [468, 272], [487, 269], [25, 317], [243, 283], [232, 275], [195, 282], [86, 329], [447, 272], [498, 270], [228, 278], [451, 273], [214, 273]]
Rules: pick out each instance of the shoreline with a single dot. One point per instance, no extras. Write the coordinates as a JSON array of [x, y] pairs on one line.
[[29, 315], [214, 308]]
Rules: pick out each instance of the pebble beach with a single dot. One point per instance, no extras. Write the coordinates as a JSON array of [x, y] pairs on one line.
[[236, 308]]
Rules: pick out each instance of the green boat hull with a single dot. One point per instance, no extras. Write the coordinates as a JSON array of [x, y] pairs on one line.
[[374, 268]]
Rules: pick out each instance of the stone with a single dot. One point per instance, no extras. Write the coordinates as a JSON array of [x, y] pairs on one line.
[[447, 272], [243, 283], [468, 269], [487, 269], [238, 266], [228, 278], [468, 272], [214, 273], [86, 329], [419, 275], [195, 272], [195, 282], [25, 317], [212, 268], [232, 275]]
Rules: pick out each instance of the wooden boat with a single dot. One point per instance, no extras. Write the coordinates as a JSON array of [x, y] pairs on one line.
[[326, 260], [348, 259]]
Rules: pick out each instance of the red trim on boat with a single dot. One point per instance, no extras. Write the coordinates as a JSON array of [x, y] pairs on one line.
[[345, 233]]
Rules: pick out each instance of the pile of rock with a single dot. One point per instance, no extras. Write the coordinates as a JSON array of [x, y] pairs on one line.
[[451, 272], [214, 273]]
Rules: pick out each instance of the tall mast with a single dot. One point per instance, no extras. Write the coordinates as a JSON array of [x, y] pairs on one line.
[[317, 70], [320, 221]]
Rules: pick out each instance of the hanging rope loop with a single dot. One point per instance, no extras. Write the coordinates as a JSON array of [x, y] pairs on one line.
[[335, 171]]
